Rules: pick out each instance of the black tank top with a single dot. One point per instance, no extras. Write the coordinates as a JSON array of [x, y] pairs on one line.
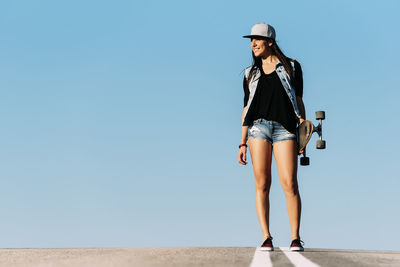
[[271, 102]]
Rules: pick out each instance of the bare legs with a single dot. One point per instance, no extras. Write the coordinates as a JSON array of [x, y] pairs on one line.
[[261, 156], [285, 153]]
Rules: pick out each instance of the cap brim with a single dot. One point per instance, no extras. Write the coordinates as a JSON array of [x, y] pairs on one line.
[[255, 36]]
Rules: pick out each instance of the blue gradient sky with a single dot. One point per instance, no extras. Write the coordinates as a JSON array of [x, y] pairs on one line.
[[120, 122]]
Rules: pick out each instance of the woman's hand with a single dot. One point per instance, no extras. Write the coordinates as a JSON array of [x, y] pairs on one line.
[[242, 155]]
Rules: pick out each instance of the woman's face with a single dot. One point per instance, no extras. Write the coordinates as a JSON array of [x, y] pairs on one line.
[[260, 47]]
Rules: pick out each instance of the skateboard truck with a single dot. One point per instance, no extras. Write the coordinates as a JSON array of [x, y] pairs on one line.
[[305, 131]]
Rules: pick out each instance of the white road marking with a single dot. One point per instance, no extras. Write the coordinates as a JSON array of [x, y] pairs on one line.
[[261, 259], [297, 259]]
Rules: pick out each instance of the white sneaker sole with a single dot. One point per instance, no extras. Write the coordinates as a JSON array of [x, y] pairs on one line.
[[266, 249], [297, 249]]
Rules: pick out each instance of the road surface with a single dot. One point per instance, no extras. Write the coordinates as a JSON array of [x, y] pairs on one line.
[[194, 256]]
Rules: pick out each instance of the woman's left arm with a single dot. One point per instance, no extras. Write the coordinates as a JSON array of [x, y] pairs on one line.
[[299, 90], [302, 108]]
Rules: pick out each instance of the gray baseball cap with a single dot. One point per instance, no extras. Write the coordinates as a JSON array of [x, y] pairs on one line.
[[262, 30]]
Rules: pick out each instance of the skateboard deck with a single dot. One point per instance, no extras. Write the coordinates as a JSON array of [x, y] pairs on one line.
[[305, 131]]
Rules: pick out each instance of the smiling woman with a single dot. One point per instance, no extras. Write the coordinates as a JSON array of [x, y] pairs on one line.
[[273, 106]]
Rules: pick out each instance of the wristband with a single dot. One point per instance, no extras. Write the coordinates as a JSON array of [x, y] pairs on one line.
[[242, 145]]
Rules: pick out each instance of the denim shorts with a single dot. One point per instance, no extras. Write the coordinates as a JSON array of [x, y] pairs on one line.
[[271, 131]]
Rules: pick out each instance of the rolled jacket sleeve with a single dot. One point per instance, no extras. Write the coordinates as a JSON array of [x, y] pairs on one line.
[[246, 91], [298, 77]]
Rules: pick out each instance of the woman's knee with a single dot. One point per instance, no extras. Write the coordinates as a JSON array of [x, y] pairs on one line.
[[263, 183], [290, 187]]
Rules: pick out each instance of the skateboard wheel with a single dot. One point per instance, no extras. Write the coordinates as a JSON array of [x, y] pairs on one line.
[[321, 144], [304, 161], [320, 115]]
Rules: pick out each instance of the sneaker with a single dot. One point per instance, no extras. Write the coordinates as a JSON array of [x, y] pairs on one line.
[[297, 245], [267, 244]]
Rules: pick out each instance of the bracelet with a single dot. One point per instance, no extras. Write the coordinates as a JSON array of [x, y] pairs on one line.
[[242, 145]]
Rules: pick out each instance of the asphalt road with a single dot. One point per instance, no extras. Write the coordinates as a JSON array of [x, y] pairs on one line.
[[193, 256]]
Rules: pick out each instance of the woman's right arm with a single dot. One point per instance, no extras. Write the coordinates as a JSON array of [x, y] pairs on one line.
[[243, 140]]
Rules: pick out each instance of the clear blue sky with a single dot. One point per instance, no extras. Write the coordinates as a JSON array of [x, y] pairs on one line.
[[120, 122]]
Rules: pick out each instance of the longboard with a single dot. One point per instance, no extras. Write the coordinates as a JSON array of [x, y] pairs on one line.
[[304, 133]]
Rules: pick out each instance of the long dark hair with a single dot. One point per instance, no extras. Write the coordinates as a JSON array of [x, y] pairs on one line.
[[276, 51]]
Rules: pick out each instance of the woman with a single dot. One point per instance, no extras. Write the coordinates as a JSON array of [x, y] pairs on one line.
[[273, 107]]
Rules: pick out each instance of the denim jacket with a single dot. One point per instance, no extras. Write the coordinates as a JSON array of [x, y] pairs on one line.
[[285, 79]]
